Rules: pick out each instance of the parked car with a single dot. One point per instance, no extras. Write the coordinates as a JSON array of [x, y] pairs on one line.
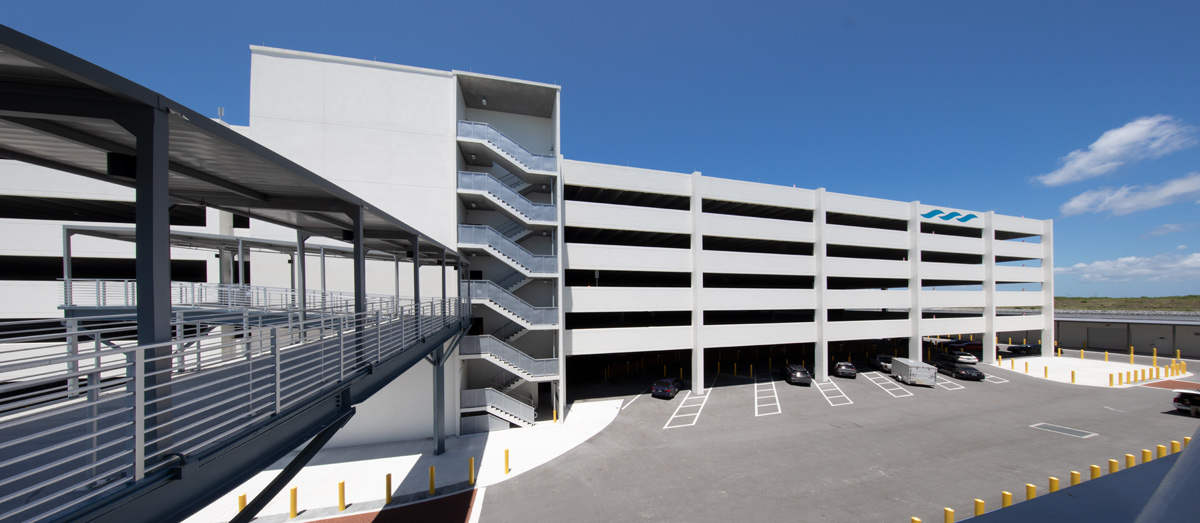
[[1032, 348], [796, 373], [882, 362], [959, 357], [666, 387], [962, 372], [1187, 400], [965, 345], [845, 369]]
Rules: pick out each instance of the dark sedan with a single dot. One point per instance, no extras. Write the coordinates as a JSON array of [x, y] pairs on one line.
[[845, 369], [1032, 348], [797, 374], [666, 387], [962, 372]]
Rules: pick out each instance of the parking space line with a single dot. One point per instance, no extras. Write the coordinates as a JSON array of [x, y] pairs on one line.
[[766, 397], [994, 379], [888, 385], [833, 393], [633, 399], [696, 402], [947, 384]]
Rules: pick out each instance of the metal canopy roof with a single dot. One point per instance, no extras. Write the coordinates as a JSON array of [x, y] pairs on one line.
[[59, 111], [218, 242]]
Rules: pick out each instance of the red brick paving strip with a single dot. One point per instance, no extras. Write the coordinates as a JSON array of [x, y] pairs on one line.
[[450, 509], [1173, 384]]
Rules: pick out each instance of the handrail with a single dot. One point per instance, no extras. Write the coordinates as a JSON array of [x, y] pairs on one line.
[[484, 235], [528, 209], [487, 290], [486, 344], [79, 292], [528, 160], [88, 410]]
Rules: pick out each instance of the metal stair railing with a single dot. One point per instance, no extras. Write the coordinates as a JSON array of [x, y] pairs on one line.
[[485, 344], [507, 331], [507, 282], [484, 235], [513, 181], [85, 413], [520, 408], [123, 293], [526, 208], [487, 290], [527, 159]]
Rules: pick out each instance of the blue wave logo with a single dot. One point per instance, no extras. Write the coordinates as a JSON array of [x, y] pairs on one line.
[[949, 216]]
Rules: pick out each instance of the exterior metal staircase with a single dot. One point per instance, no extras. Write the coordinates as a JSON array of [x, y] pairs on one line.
[[509, 358], [510, 153], [507, 199], [513, 409], [512, 307], [506, 250]]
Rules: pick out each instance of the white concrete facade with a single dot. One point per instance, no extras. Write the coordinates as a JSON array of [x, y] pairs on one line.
[[475, 161]]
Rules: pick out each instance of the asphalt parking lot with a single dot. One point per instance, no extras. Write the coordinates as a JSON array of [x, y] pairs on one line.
[[865, 449]]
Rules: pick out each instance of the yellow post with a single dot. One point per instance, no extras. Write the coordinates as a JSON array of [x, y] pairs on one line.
[[1130, 461], [1053, 484], [387, 489], [1095, 471], [1072, 376], [506, 461], [970, 337], [555, 415], [979, 507], [292, 513], [1105, 356], [751, 370], [1010, 341], [1174, 448], [1030, 491], [471, 471], [915, 520], [1120, 379], [341, 496], [1110, 379], [1012, 364], [1024, 341], [1113, 466], [1162, 450], [241, 502], [431, 481], [1000, 360], [1046, 372], [1146, 455], [948, 515], [680, 372], [1186, 441], [1005, 499], [1143, 374], [1081, 354], [1154, 356], [1177, 356], [1074, 478], [1027, 367], [1131, 354]]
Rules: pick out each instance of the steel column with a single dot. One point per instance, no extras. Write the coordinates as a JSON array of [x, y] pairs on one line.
[[68, 295], [302, 287]]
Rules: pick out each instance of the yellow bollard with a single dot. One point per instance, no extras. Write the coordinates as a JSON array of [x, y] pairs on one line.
[[1177, 356], [948, 515], [1113, 466], [341, 496], [1081, 354], [1010, 341], [1012, 364], [1128, 379], [471, 471], [292, 513], [431, 481], [915, 520], [1146, 456], [1162, 450], [1046, 372], [999, 360], [241, 502], [1153, 356], [1186, 441], [1074, 478], [1005, 499], [1120, 379], [1027, 367], [1072, 376], [735, 368], [1106, 356], [1110, 379], [555, 415], [1030, 491], [1024, 341], [1130, 461], [1053, 484], [506, 461], [387, 489], [1095, 471], [1174, 447], [1143, 375], [1131, 354], [979, 507]]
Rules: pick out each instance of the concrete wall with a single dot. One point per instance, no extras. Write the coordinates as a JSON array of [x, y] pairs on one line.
[[1118, 336]]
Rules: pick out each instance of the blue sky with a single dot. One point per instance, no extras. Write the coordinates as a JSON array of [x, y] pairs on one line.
[[998, 106]]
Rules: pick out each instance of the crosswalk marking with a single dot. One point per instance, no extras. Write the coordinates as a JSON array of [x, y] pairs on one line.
[[889, 386], [833, 394], [766, 397], [689, 402], [947, 384]]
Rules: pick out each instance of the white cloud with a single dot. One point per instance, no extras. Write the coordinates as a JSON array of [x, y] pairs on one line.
[[1181, 247], [1168, 228], [1133, 198], [1146, 137], [1173, 267]]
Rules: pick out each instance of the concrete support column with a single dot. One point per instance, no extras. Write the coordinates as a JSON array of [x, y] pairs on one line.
[[915, 310], [697, 288], [360, 262], [241, 263], [302, 279], [439, 400], [68, 294], [820, 370], [1047, 288], [225, 259], [989, 288]]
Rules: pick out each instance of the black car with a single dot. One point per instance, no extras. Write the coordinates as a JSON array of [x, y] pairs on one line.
[[666, 387], [962, 372], [1032, 348], [845, 369], [797, 374]]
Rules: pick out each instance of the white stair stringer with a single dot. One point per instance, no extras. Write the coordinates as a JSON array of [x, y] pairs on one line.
[[514, 384], [499, 404], [511, 418], [509, 315]]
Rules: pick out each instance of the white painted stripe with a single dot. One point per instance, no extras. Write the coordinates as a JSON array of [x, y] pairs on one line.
[[994, 379], [766, 400], [888, 386], [703, 400], [477, 505], [631, 400], [827, 389], [947, 384]]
